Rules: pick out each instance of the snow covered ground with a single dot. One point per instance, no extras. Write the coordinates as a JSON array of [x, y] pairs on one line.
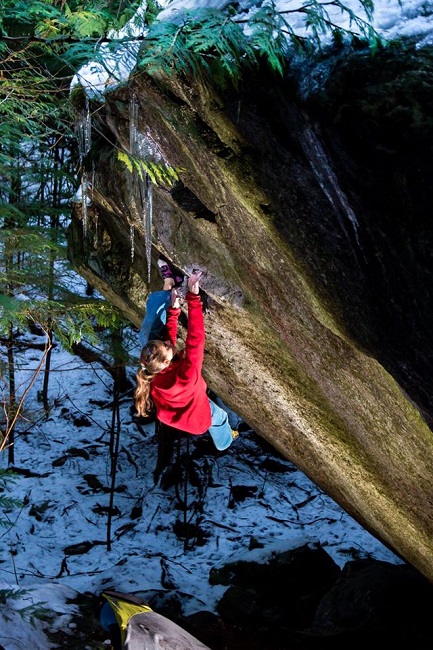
[[55, 544]]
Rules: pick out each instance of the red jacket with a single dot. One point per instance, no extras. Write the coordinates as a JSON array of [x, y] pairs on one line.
[[179, 391]]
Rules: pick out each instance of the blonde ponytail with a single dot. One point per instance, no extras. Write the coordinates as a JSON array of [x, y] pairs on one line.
[[143, 403], [152, 361]]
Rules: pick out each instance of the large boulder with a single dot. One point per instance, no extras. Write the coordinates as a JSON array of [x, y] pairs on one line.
[[308, 208]]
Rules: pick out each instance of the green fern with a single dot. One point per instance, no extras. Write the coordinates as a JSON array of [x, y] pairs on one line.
[[126, 158], [159, 173]]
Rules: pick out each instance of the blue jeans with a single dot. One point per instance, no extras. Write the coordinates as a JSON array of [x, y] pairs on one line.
[[156, 316], [220, 429], [151, 328]]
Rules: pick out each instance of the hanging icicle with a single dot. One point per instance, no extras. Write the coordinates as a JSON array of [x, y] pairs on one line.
[[144, 186], [87, 128], [133, 125], [83, 132], [133, 146], [141, 185], [95, 229], [131, 239], [147, 217], [84, 199], [93, 175]]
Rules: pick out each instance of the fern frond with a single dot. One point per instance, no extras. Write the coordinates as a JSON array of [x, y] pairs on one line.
[[159, 173], [126, 159]]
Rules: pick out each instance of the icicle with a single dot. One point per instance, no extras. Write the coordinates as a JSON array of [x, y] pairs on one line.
[[87, 127], [83, 132], [140, 147], [133, 130], [84, 194], [147, 147], [95, 229], [93, 174], [131, 239], [133, 126], [148, 216], [145, 189], [79, 134]]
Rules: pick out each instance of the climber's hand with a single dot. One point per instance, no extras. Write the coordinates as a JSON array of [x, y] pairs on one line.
[[193, 281], [175, 299]]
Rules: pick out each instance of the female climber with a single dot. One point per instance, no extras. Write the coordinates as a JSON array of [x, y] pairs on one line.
[[172, 380]]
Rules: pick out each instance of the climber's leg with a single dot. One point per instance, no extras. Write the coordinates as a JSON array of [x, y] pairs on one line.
[[155, 317], [220, 429]]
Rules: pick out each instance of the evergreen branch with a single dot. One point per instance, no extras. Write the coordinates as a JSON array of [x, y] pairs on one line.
[[213, 41], [67, 39], [319, 21], [31, 612]]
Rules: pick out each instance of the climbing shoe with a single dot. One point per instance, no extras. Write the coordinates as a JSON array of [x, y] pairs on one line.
[[166, 271]]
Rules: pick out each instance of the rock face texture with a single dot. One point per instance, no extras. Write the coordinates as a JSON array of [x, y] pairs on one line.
[[307, 202]]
